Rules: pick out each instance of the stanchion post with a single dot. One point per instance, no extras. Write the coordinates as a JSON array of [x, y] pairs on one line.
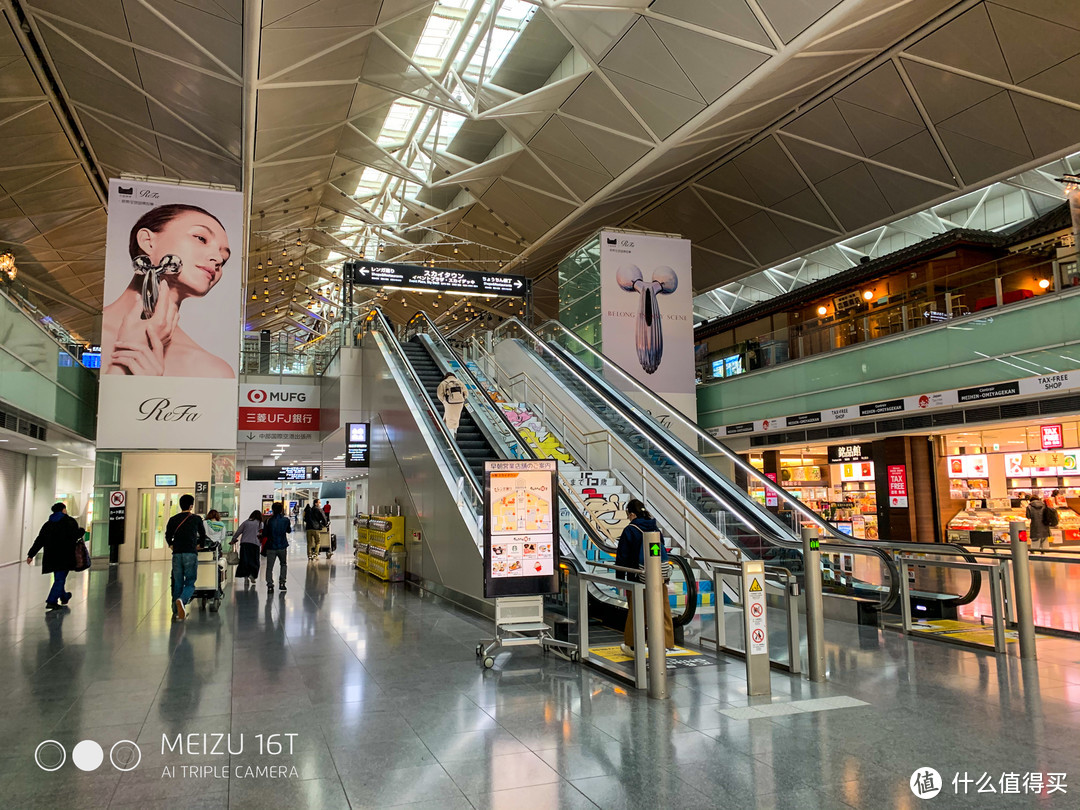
[[1021, 570], [815, 610], [655, 592], [755, 628]]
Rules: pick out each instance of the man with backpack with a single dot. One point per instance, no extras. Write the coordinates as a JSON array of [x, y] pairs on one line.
[[58, 537], [184, 533], [1042, 517], [314, 522]]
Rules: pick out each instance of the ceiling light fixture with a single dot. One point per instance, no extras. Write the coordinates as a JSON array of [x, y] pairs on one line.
[[868, 295], [822, 310], [1044, 283]]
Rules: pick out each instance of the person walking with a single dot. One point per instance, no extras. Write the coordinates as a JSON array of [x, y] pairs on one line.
[[215, 527], [1038, 527], [248, 533], [276, 545], [57, 537], [451, 393], [314, 521], [184, 533], [631, 554]]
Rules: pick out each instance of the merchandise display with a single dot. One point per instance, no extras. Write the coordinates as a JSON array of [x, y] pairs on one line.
[[981, 524]]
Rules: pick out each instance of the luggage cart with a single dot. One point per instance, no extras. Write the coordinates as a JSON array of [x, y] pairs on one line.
[[210, 578], [519, 621], [327, 543]]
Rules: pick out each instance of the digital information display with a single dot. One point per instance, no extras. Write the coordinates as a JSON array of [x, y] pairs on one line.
[[435, 279], [165, 480], [521, 550], [357, 447], [298, 473]]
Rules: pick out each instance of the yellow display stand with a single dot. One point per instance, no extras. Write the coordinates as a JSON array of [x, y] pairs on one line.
[[385, 536], [361, 542]]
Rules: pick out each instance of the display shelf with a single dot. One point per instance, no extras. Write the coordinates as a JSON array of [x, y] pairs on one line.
[[981, 525]]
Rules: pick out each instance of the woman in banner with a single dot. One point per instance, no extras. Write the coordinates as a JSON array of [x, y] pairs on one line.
[[178, 252]]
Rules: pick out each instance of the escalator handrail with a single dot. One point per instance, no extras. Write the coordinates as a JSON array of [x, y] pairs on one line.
[[690, 610], [594, 536], [777, 533], [376, 316]]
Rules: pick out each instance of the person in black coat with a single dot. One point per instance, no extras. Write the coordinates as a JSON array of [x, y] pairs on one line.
[[57, 537]]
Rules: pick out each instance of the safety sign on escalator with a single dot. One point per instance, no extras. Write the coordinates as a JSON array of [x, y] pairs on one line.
[[755, 615]]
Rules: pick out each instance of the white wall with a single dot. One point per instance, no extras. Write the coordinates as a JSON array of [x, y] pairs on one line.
[[137, 472]]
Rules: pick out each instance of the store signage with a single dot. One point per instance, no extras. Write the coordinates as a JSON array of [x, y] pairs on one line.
[[917, 403], [772, 497], [434, 279], [521, 550], [897, 475], [295, 473], [117, 516], [1052, 437], [967, 466], [840, 453], [1028, 465], [878, 408], [734, 430], [804, 419], [983, 392], [357, 447], [857, 471], [275, 413]]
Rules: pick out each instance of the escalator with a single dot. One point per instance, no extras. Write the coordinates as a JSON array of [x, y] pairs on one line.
[[485, 433], [563, 363]]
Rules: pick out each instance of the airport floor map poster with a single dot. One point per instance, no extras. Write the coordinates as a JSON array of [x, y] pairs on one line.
[[521, 552]]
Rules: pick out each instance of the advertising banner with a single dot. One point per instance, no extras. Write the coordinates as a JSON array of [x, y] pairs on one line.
[[278, 413], [898, 497], [521, 547], [172, 317], [647, 314]]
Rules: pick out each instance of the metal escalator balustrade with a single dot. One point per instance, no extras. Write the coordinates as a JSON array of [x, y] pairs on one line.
[[738, 518], [596, 364]]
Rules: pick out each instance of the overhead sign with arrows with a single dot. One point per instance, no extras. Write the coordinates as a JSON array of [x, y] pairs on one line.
[[416, 278]]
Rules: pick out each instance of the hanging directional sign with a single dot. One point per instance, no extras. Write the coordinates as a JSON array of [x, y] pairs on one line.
[[434, 279]]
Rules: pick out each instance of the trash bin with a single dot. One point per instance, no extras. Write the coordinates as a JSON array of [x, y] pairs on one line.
[[397, 566]]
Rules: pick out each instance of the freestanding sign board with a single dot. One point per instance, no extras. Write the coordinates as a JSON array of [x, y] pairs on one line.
[[521, 550], [117, 516]]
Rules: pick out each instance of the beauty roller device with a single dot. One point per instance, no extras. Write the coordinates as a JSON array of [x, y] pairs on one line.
[[650, 336], [152, 274]]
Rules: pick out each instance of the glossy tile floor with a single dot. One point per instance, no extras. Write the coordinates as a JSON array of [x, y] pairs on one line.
[[380, 686]]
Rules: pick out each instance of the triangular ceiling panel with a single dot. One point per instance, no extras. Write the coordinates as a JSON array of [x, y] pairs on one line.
[[641, 55], [524, 127], [876, 131], [882, 90], [556, 139], [615, 153], [805, 205], [994, 122], [768, 170], [594, 101], [727, 209], [944, 93], [1049, 127], [854, 197], [595, 30], [318, 14], [1030, 44], [824, 124], [903, 192], [713, 65], [980, 53], [544, 99], [527, 170], [663, 112], [732, 17], [583, 182], [919, 155], [284, 47], [1061, 81]]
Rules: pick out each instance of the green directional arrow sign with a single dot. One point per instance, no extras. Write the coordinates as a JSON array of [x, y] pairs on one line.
[[654, 550]]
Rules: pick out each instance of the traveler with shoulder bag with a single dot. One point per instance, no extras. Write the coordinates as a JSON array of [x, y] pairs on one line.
[[65, 551], [451, 393], [631, 554]]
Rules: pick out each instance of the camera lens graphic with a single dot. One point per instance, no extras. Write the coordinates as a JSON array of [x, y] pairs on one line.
[[125, 755], [50, 755], [87, 755]]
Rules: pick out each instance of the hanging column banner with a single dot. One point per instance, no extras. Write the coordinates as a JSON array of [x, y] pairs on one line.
[[647, 314], [172, 317]]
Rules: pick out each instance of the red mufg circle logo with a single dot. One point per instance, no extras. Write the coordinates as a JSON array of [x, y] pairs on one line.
[[256, 395]]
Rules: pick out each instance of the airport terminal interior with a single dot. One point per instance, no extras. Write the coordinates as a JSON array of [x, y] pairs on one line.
[[528, 404]]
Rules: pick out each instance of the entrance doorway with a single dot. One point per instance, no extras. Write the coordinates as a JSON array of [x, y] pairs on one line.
[[156, 506]]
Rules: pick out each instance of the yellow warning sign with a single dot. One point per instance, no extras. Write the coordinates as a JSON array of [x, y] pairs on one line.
[[755, 585]]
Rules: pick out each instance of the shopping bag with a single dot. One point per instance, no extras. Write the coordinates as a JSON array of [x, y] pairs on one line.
[[82, 556]]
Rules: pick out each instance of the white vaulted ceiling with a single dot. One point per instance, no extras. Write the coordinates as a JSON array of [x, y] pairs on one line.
[[499, 133]]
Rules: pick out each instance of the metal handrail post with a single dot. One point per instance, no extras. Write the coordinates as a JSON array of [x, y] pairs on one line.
[[583, 619], [905, 596], [636, 603], [791, 604], [655, 596], [1021, 570], [815, 606], [718, 609], [996, 609]]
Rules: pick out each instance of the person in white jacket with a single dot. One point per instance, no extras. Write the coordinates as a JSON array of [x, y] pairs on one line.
[[451, 394]]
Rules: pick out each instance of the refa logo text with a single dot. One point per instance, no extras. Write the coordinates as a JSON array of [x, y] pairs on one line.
[[259, 396], [161, 409]]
